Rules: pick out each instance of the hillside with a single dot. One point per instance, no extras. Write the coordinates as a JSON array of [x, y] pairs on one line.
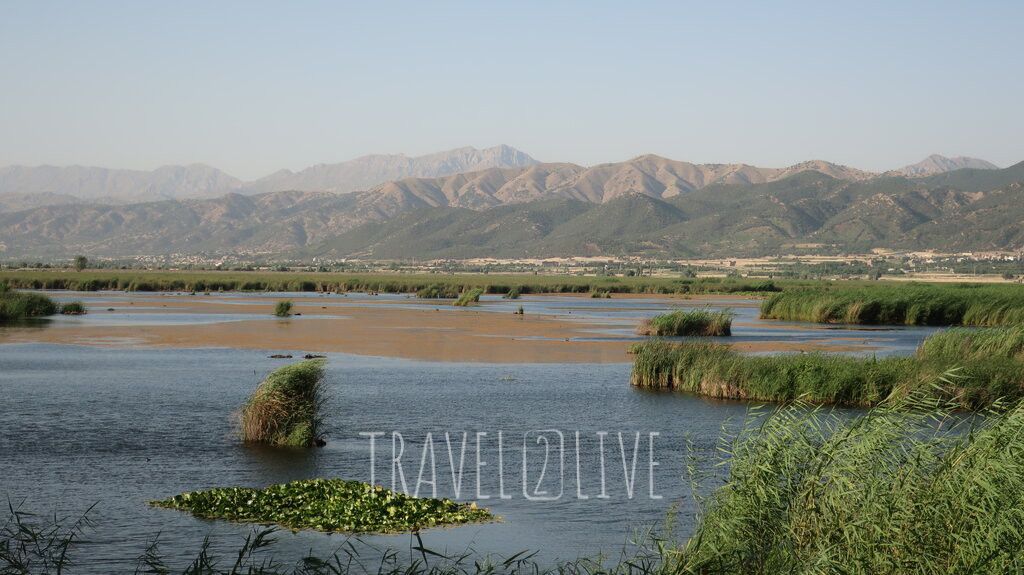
[[636, 207]]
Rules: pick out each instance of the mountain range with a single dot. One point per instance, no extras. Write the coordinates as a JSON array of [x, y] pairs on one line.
[[647, 205]]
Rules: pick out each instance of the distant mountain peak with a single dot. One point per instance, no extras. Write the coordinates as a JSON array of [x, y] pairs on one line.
[[939, 164]]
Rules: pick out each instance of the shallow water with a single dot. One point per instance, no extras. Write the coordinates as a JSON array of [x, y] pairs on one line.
[[117, 427]]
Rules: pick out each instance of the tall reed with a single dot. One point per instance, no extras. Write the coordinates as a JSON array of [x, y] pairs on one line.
[[695, 322], [286, 408]]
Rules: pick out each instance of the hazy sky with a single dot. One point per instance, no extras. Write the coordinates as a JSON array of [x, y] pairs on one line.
[[252, 87]]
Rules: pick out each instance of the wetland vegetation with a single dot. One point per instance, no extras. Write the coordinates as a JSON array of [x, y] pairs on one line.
[[16, 306], [469, 297], [283, 308], [286, 408], [971, 368], [907, 304], [332, 505], [694, 322]]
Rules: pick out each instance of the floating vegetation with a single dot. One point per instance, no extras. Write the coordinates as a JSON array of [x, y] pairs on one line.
[[905, 488], [15, 305], [285, 409], [332, 505], [283, 308], [985, 371], [73, 308], [469, 297], [702, 322], [912, 304]]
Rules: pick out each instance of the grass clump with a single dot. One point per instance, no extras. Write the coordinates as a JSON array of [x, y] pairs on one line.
[[332, 505], [912, 304], [438, 291], [981, 375], [512, 293], [702, 322], [905, 488], [15, 305], [283, 308], [469, 297], [285, 409], [73, 308]]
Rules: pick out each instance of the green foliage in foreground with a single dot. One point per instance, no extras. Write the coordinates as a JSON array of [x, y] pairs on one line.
[[16, 305], [283, 308], [910, 304], [73, 308], [694, 322], [469, 297], [285, 409], [332, 505], [986, 369], [902, 489]]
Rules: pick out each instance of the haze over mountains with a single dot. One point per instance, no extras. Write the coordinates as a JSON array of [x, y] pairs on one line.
[[647, 205]]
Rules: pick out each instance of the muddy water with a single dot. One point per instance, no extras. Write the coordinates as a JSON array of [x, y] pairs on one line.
[[124, 419]]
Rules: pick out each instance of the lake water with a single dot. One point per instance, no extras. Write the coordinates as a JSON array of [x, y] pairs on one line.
[[118, 426]]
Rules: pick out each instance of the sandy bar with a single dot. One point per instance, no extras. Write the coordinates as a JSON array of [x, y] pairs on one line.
[[443, 334]]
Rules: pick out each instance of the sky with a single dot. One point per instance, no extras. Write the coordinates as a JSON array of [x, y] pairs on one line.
[[253, 87]]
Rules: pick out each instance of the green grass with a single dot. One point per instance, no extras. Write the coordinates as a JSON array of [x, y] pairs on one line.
[[449, 285], [283, 308], [702, 322], [16, 306], [331, 505], [469, 297], [73, 308], [907, 488], [909, 304], [285, 409], [982, 376]]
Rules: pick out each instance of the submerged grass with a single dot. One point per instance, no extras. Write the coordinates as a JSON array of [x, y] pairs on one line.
[[332, 505], [988, 367], [285, 409], [911, 304], [469, 297], [702, 322]]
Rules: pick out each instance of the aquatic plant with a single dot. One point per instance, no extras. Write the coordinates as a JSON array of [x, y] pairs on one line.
[[469, 297], [600, 294], [908, 487], [702, 322], [513, 293], [438, 291], [715, 370], [285, 409], [911, 304], [72, 308], [332, 505], [283, 308], [15, 305]]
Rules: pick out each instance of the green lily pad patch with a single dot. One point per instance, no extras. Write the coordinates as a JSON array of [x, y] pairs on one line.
[[331, 505]]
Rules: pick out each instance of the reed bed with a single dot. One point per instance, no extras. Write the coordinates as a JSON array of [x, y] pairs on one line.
[[984, 368], [469, 297], [15, 305], [286, 408], [283, 308], [912, 304], [694, 322], [907, 488], [451, 285], [73, 308]]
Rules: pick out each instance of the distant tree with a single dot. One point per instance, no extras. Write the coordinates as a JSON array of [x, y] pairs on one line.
[[81, 262]]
